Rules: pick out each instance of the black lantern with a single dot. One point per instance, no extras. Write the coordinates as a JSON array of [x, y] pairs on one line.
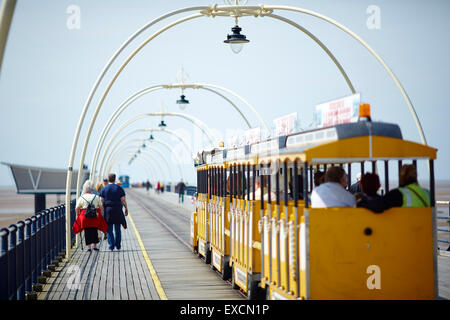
[[162, 124], [236, 40], [182, 101]]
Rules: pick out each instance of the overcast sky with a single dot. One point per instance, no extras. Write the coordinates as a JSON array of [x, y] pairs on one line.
[[56, 50]]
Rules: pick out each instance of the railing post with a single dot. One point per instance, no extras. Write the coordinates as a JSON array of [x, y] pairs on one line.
[[20, 261], [12, 289], [4, 264], [40, 254], [62, 229], [29, 260], [46, 245]]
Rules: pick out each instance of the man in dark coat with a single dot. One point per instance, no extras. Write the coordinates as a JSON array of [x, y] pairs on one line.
[[113, 198], [181, 187]]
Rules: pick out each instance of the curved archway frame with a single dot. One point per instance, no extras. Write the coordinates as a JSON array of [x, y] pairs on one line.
[[131, 148], [205, 86], [211, 11], [196, 122], [164, 144], [111, 149]]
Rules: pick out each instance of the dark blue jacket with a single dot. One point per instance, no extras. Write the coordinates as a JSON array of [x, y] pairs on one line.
[[112, 204]]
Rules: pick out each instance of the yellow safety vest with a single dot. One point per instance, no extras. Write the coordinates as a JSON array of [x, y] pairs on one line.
[[415, 196]]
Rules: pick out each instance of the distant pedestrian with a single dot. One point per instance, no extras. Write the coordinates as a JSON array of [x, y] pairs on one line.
[[181, 188], [162, 187], [158, 187], [113, 198], [147, 185], [90, 225]]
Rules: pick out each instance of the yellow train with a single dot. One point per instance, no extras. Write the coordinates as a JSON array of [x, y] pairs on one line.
[[273, 245]]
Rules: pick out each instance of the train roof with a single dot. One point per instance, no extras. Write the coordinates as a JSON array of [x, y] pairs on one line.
[[349, 142]]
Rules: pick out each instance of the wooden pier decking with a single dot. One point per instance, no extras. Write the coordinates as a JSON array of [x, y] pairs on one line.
[[127, 274]]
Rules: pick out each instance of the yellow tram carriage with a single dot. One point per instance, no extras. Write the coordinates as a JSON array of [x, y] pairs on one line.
[[281, 248]]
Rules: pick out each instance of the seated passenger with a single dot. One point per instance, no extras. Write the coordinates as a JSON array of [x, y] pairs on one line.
[[332, 193], [319, 178], [299, 188], [356, 187], [369, 199], [409, 193], [258, 191]]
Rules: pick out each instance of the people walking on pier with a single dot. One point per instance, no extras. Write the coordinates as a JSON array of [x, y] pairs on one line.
[[181, 187], [99, 187], [113, 198], [90, 225]]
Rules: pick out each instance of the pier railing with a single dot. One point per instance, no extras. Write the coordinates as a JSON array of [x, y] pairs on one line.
[[30, 251], [446, 216]]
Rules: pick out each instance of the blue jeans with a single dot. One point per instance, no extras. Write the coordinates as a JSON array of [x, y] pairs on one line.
[[114, 241]]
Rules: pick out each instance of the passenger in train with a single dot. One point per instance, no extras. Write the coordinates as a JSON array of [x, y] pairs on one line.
[[356, 187], [319, 178], [332, 193], [258, 190], [369, 198], [299, 188], [409, 193]]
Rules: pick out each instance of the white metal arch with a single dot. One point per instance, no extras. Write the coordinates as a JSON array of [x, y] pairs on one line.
[[116, 154], [155, 141], [211, 11], [199, 124], [109, 147]]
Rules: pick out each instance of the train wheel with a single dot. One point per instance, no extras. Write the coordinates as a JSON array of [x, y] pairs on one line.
[[208, 256], [226, 271], [255, 292]]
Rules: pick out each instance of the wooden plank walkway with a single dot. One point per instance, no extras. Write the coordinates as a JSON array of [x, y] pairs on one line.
[[182, 274], [103, 275], [125, 275], [444, 276]]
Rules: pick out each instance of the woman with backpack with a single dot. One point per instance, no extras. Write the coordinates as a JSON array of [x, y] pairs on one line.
[[89, 216]]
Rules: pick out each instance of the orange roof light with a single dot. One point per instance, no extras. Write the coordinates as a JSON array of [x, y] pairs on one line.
[[221, 144], [364, 110]]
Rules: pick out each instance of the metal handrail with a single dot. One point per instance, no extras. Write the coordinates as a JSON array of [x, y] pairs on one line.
[[30, 250], [444, 203]]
